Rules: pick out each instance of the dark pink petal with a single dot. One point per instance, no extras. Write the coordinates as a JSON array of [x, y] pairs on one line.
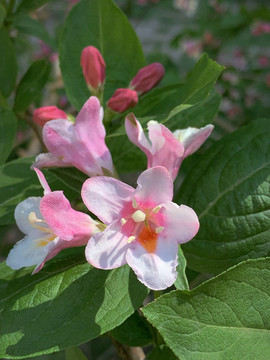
[[42, 181], [147, 78], [106, 197], [155, 186], [67, 223], [93, 66], [107, 249]]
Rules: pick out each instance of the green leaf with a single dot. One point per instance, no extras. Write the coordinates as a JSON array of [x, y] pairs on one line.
[[101, 24], [17, 182], [161, 352], [3, 14], [32, 27], [30, 5], [227, 317], [32, 84], [181, 282], [72, 177], [66, 304], [133, 332], [75, 354], [8, 125], [229, 190], [8, 64]]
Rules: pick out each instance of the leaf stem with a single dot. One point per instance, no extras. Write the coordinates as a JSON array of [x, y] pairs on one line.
[[128, 352]]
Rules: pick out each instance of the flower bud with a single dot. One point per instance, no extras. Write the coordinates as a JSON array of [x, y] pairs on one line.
[[93, 67], [147, 78], [47, 113], [122, 100]]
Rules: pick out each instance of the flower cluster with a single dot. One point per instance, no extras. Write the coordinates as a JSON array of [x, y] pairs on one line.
[[140, 227]]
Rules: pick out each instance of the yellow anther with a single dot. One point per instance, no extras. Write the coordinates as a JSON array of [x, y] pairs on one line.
[[158, 230], [131, 239], [156, 209], [138, 216], [123, 221], [134, 203]]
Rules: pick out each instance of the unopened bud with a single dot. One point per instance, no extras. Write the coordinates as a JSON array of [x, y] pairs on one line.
[[93, 67], [122, 100], [47, 113], [147, 78]]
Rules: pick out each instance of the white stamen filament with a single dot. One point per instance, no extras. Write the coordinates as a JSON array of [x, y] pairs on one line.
[[156, 209], [131, 239], [134, 203], [138, 216], [159, 229], [32, 218], [123, 221]]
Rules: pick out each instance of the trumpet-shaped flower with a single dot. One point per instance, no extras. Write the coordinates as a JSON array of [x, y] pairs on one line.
[[81, 145], [50, 225], [165, 148], [144, 226]]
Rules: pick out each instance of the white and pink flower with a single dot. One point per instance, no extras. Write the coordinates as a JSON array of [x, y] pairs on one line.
[[81, 145], [50, 225], [165, 148], [144, 226]]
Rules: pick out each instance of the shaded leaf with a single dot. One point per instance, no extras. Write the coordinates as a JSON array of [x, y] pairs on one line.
[[8, 125]]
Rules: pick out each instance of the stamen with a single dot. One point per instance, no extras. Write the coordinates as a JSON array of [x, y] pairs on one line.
[[32, 218], [159, 229], [131, 239], [123, 221], [138, 216], [134, 203], [156, 209]]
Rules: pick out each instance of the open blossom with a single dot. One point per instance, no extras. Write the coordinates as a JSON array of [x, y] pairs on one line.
[[164, 147], [147, 78], [144, 226], [122, 100], [81, 145], [50, 225], [93, 67], [47, 113]]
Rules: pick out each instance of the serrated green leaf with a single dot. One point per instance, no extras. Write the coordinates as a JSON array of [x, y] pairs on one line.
[[181, 282], [225, 318], [17, 182], [101, 24], [32, 84], [229, 190], [66, 304], [133, 332], [3, 14], [8, 64], [8, 125], [32, 27]]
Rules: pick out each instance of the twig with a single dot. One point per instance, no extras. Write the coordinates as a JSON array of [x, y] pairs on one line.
[[128, 352]]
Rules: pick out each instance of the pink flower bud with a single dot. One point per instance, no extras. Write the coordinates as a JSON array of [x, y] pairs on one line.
[[146, 78], [47, 113], [122, 100], [93, 67]]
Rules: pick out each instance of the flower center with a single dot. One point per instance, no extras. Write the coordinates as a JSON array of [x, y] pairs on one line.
[[34, 222]]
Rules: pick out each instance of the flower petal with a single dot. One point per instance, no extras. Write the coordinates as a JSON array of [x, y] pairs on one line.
[[42, 181], [193, 138], [155, 270], [22, 211], [106, 197], [67, 223], [49, 160], [136, 135], [107, 249], [181, 222], [155, 186]]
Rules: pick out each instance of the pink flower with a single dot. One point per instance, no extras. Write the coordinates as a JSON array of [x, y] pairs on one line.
[[93, 67], [122, 100], [50, 225], [81, 145], [165, 148], [47, 113], [147, 78], [144, 226]]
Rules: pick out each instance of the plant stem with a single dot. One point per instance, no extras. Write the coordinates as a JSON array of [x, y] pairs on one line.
[[35, 128], [128, 352]]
